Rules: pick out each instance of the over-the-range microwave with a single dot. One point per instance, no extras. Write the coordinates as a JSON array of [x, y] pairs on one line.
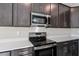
[[39, 19]]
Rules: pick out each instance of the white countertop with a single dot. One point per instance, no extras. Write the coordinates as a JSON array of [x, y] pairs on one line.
[[14, 43], [75, 36], [63, 38], [7, 44]]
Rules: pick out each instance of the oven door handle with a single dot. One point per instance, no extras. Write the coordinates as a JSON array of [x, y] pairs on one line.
[[44, 47]]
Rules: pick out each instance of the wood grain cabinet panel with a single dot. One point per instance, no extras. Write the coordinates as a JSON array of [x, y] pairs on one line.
[[23, 52], [54, 15], [41, 8], [4, 53], [78, 47], [64, 16], [75, 17], [5, 14], [21, 14], [68, 48], [75, 48], [64, 49], [60, 16]]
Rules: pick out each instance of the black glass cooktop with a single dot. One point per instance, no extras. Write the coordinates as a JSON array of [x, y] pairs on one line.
[[43, 42]]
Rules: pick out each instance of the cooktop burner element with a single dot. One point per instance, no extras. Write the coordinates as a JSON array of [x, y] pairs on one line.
[[39, 39], [46, 42]]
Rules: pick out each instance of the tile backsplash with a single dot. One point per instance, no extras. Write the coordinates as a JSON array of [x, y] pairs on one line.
[[24, 31], [58, 32], [75, 31], [9, 32], [6, 32]]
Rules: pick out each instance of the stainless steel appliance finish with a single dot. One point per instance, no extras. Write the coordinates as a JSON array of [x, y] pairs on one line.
[[37, 37], [42, 46], [39, 19]]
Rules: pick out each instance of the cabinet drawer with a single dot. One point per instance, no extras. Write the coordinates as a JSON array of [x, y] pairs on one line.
[[26, 49], [5, 54], [65, 43], [22, 52], [29, 54]]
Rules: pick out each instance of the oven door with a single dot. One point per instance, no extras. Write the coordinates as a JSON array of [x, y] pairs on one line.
[[50, 51]]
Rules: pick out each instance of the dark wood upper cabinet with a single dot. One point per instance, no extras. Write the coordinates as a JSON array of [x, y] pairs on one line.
[[21, 14], [54, 15], [60, 16], [5, 14], [75, 17], [64, 16], [41, 8]]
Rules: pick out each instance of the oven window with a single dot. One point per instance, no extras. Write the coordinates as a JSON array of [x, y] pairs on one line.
[[39, 19], [44, 52]]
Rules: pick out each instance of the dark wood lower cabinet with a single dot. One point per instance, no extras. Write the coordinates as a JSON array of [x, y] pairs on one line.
[[64, 49], [23, 52], [5, 53], [78, 47], [75, 48], [69, 48]]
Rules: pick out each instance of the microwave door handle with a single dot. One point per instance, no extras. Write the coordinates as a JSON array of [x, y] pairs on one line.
[[47, 21]]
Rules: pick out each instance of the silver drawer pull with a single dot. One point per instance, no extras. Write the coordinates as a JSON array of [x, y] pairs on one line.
[[23, 53], [28, 55], [65, 43]]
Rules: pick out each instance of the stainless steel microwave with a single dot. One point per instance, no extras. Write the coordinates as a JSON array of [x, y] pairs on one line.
[[39, 19]]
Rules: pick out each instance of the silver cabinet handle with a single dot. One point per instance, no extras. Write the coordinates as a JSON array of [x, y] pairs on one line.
[[23, 53], [65, 43]]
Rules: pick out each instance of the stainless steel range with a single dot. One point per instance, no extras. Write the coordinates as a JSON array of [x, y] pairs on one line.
[[42, 45]]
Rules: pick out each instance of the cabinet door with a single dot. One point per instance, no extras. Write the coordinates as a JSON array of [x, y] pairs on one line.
[[78, 47], [22, 52], [21, 13], [41, 8], [75, 17], [5, 14], [59, 50], [64, 49], [54, 15], [64, 16], [75, 48], [5, 54], [67, 49]]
